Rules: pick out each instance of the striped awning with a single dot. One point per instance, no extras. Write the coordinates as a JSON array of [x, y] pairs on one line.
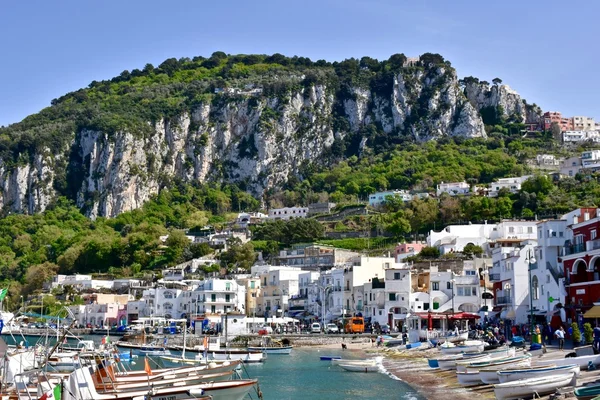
[[593, 312]]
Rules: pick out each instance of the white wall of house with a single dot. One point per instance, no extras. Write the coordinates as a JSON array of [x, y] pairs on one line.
[[454, 238]]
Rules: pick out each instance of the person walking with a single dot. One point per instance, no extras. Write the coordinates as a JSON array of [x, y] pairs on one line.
[[596, 339], [560, 335]]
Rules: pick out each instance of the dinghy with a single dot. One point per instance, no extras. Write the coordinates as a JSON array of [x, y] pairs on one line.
[[469, 346], [476, 366], [490, 375], [510, 375], [582, 361], [527, 387], [360, 367], [587, 392]]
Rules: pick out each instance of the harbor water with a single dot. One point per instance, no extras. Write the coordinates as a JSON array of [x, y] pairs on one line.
[[302, 375]]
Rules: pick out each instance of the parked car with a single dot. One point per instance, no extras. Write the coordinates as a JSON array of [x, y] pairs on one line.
[[315, 327], [332, 328]]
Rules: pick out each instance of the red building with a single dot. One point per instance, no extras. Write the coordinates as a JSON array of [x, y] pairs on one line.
[[581, 261]]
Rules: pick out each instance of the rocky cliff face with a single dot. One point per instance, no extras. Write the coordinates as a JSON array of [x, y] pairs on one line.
[[253, 139], [482, 94]]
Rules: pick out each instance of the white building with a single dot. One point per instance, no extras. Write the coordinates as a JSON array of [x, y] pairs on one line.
[[80, 282], [454, 238], [278, 284], [512, 184], [547, 160], [288, 213], [574, 136], [452, 188], [374, 301], [219, 296], [591, 160], [163, 302], [379, 198], [571, 166], [581, 136], [246, 219], [308, 289], [547, 280], [397, 296], [510, 275], [514, 229]]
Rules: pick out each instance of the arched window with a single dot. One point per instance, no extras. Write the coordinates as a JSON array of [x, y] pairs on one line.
[[168, 295], [168, 307], [535, 288]]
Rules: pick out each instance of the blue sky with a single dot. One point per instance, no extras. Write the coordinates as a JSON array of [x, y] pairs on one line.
[[546, 50]]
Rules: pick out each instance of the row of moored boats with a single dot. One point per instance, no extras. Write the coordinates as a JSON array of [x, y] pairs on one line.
[[512, 373]]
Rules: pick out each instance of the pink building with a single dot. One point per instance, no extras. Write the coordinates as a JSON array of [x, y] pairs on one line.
[[404, 250], [566, 124]]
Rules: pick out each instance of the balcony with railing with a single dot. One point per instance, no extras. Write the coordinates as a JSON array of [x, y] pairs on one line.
[[573, 249], [494, 277], [503, 300], [593, 244]]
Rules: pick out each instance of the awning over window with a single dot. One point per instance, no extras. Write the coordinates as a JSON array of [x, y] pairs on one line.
[[593, 312]]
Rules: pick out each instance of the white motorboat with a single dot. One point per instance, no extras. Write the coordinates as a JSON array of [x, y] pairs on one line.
[[469, 346], [529, 387], [510, 375], [582, 361], [231, 355], [360, 367]]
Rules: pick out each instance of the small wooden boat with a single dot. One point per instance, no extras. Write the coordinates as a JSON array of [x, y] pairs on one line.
[[360, 367], [587, 392], [582, 361], [329, 358], [468, 378], [469, 346], [452, 362], [509, 375], [527, 387], [523, 360], [490, 376], [370, 361], [433, 363], [272, 350]]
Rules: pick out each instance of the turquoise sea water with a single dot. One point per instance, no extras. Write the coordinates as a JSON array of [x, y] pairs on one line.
[[302, 375]]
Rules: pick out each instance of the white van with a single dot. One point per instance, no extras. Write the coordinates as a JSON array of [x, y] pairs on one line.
[[315, 327]]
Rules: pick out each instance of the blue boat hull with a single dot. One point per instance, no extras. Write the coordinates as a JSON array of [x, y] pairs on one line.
[[329, 358]]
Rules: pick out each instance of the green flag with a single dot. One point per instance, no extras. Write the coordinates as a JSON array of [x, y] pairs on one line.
[[3, 293]]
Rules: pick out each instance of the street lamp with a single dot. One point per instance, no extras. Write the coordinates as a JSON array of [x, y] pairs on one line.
[[22, 304], [324, 289], [452, 281], [531, 265]]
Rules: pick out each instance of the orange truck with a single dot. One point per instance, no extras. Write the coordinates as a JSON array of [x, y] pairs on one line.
[[355, 325]]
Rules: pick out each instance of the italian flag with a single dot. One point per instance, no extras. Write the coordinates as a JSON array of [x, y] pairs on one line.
[[53, 394]]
